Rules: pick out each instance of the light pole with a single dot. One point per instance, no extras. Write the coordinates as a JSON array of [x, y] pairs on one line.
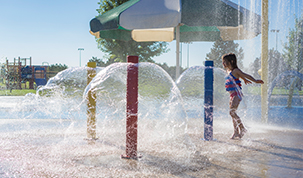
[[277, 31], [80, 49]]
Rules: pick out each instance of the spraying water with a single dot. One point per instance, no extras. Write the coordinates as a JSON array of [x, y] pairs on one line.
[[42, 135], [56, 116], [47, 136]]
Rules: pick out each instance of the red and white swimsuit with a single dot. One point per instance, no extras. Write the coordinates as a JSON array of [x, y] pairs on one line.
[[233, 86]]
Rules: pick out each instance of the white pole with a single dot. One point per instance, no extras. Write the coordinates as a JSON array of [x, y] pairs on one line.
[[187, 55], [177, 51], [80, 49], [181, 55]]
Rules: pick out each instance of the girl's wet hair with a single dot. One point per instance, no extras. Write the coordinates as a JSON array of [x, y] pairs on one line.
[[231, 59]]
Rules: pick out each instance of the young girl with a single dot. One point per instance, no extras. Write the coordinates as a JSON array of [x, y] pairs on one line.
[[233, 86]]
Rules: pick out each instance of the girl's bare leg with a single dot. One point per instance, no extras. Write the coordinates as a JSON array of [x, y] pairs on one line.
[[239, 129], [236, 130]]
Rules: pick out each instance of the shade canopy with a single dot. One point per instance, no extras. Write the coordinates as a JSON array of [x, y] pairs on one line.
[[155, 20], [183, 20]]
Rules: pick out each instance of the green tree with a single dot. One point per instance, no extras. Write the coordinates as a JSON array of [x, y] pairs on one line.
[[57, 67], [254, 67], [171, 70], [220, 48], [99, 62], [293, 50], [276, 66], [118, 50]]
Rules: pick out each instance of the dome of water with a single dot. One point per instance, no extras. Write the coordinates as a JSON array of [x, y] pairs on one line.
[[191, 85], [60, 98], [55, 126], [69, 82], [161, 117]]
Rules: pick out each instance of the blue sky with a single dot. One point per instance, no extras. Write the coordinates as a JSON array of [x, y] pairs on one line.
[[53, 30]]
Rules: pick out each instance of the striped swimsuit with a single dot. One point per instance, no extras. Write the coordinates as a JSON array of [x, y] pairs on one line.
[[233, 86]]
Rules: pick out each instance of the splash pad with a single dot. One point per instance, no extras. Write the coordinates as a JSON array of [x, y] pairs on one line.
[[43, 135], [52, 126]]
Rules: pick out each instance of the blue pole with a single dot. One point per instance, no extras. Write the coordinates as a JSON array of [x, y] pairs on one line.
[[208, 100]]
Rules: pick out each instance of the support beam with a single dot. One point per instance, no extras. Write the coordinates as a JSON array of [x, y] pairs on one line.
[[264, 62], [91, 103], [178, 51], [208, 100], [131, 108]]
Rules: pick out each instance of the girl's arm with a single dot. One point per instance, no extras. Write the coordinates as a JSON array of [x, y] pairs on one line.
[[246, 81], [246, 77]]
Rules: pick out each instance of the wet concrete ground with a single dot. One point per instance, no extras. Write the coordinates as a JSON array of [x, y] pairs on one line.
[[265, 151], [59, 151]]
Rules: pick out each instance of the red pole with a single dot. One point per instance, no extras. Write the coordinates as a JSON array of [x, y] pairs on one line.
[[131, 108]]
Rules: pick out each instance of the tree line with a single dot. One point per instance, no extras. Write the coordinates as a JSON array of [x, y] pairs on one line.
[[290, 59]]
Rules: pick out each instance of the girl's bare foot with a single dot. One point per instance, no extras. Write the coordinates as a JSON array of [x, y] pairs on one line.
[[235, 135]]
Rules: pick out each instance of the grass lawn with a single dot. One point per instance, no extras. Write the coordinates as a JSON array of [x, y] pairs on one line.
[[256, 90], [16, 92], [283, 91], [251, 90]]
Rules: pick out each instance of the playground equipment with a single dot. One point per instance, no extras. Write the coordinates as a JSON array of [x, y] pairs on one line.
[[18, 72], [40, 75], [21, 72]]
